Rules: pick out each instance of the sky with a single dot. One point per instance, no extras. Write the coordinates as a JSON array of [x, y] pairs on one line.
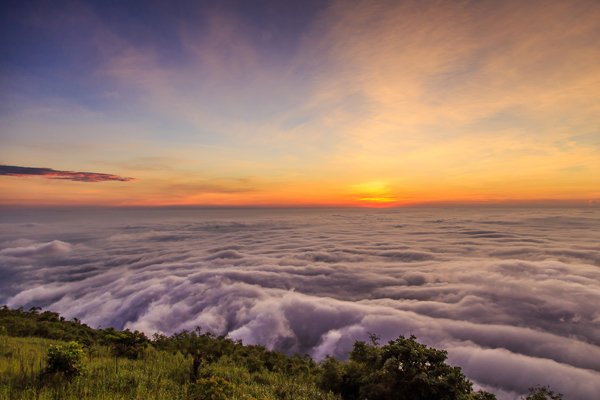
[[299, 103], [511, 293]]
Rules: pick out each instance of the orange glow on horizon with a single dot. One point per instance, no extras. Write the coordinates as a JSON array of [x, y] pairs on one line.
[[479, 103], [139, 194]]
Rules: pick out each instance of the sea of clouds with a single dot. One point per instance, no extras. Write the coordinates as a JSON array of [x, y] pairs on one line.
[[512, 294]]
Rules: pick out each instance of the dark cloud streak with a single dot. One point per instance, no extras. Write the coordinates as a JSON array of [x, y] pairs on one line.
[[49, 173]]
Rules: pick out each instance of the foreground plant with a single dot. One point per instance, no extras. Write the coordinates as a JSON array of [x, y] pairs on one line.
[[213, 388], [64, 359]]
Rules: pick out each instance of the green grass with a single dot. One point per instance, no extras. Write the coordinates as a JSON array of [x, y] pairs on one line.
[[36, 362], [159, 375]]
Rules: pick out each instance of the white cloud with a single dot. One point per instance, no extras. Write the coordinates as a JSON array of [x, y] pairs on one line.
[[511, 294], [56, 247]]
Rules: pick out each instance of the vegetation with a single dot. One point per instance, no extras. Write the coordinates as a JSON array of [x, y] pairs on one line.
[[402, 369], [543, 393], [44, 356], [211, 388], [65, 361]]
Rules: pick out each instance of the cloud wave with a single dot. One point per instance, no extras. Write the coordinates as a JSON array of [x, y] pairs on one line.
[[511, 294]]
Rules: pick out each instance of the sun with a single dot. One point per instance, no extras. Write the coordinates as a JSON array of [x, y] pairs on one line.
[[373, 192]]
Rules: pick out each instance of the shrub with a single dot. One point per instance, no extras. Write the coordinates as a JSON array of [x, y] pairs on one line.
[[213, 388], [65, 360]]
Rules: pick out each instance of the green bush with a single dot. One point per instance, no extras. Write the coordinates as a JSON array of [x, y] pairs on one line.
[[213, 388], [65, 360]]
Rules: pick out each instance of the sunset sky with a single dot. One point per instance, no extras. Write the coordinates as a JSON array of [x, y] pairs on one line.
[[299, 103]]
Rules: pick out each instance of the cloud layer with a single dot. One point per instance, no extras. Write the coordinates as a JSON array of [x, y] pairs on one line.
[[49, 173], [511, 294]]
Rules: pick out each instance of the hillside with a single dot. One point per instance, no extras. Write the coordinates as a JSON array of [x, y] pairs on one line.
[[45, 356]]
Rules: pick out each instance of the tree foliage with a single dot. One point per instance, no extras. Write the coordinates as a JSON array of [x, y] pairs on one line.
[[47, 324], [125, 343], [542, 393], [401, 370]]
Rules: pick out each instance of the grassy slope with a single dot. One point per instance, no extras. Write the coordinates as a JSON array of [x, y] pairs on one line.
[[160, 375]]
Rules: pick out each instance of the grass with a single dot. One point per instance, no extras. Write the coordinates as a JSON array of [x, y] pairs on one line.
[[159, 375]]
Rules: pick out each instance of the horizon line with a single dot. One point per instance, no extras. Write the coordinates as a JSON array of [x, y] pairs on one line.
[[546, 203]]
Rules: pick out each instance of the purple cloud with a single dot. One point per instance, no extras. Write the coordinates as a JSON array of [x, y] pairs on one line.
[[49, 173], [511, 294]]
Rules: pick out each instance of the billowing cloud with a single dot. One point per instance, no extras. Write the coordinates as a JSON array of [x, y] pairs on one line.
[[10, 170], [511, 294], [53, 248]]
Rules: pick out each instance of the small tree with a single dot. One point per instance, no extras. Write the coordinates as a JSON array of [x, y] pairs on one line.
[[65, 360], [125, 343], [542, 393]]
